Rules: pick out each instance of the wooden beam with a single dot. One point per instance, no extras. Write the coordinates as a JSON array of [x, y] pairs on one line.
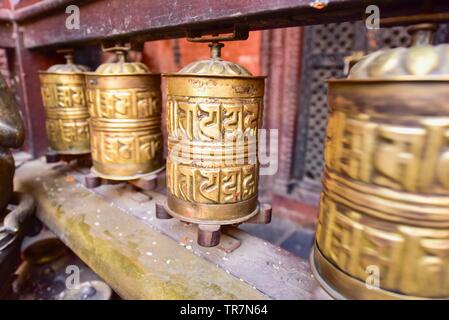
[[159, 19], [42, 7]]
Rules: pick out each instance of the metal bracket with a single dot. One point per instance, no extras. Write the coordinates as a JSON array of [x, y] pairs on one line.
[[209, 235], [239, 33], [264, 215], [117, 46], [83, 160], [145, 183], [22, 207]]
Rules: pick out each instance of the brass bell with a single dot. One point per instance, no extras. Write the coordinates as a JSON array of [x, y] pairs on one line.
[[214, 111], [124, 101], [384, 210], [67, 118]]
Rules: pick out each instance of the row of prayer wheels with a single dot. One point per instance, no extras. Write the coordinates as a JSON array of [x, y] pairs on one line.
[[214, 110], [383, 229], [113, 113]]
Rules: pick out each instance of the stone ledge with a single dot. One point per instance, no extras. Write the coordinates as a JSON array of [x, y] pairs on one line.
[[114, 230]]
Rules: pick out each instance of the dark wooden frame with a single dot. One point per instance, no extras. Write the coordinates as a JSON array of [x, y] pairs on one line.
[[159, 19]]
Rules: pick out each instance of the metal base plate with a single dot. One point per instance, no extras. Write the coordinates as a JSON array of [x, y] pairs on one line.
[[209, 230], [211, 222], [341, 286], [126, 178]]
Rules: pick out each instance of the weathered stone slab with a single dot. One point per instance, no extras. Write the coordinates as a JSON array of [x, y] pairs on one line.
[[141, 257]]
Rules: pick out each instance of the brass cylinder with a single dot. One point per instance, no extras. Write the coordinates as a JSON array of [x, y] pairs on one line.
[[384, 210], [67, 118], [124, 102], [214, 110]]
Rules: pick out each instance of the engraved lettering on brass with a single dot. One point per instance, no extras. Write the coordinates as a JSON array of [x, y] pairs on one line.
[[126, 132], [66, 113], [375, 169], [209, 120]]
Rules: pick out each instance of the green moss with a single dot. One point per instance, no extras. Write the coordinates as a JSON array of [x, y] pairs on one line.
[[119, 260]]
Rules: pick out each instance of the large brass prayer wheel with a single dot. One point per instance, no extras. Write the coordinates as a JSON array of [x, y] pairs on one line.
[[67, 118], [124, 101], [214, 110], [383, 230]]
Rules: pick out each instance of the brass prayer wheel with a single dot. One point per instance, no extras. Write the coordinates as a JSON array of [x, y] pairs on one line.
[[214, 112], [67, 117], [383, 230], [124, 101]]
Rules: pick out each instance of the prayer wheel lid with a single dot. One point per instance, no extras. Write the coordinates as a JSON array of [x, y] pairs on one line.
[[121, 66], [422, 60], [69, 66], [215, 66]]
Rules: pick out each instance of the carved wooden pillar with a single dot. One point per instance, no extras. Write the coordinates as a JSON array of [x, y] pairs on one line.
[[281, 59]]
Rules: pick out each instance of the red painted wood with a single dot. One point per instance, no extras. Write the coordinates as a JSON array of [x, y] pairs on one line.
[[295, 210], [27, 65], [281, 60]]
